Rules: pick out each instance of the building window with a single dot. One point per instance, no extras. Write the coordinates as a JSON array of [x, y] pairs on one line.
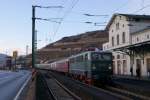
[[118, 39], [120, 17], [117, 26], [137, 39], [124, 66], [148, 65], [112, 41], [118, 56], [119, 67], [123, 37], [123, 25], [112, 31], [147, 36], [113, 57]]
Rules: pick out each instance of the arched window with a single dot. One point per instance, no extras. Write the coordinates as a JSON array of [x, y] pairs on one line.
[[123, 37], [118, 39], [112, 41]]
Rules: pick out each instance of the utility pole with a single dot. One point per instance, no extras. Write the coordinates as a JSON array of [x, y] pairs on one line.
[[33, 36], [33, 28]]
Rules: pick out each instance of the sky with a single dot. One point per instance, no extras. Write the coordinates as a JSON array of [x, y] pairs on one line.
[[16, 19]]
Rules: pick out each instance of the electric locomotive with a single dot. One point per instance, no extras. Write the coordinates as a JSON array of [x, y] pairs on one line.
[[92, 67]]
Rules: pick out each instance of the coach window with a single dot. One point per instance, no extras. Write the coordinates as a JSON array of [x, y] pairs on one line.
[[77, 59], [86, 57], [81, 58], [71, 60]]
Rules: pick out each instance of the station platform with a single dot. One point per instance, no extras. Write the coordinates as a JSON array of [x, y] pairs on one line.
[[132, 77]]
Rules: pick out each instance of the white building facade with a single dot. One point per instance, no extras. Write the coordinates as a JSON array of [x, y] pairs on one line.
[[125, 32]]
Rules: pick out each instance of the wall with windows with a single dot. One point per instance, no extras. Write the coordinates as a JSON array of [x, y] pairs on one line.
[[119, 32], [144, 65], [121, 64], [140, 36], [119, 37], [106, 46], [138, 24], [122, 33]]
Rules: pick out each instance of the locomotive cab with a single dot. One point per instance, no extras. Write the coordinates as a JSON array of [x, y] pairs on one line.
[[101, 67]]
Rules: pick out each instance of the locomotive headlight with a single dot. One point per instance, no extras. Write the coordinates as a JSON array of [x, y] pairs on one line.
[[109, 67]]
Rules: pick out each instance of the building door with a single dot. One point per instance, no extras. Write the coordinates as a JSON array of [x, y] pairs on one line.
[[138, 67], [113, 66], [118, 67], [124, 67], [148, 66]]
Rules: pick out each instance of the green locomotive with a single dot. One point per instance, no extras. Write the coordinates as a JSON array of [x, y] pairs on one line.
[[92, 67]]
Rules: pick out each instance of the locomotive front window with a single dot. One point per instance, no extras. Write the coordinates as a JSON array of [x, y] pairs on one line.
[[96, 56], [106, 57], [100, 56]]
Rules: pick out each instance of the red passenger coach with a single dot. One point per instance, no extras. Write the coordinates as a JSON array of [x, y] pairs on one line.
[[62, 66]]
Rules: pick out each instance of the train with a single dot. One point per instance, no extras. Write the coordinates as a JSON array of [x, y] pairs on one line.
[[90, 67]]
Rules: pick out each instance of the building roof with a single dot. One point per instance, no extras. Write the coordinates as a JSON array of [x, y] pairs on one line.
[[145, 29], [127, 15]]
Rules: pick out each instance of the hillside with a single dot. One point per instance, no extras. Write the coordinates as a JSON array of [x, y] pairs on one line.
[[73, 44]]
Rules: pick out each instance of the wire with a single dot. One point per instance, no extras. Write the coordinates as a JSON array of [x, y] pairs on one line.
[[65, 15], [53, 26], [142, 3], [142, 8], [123, 5]]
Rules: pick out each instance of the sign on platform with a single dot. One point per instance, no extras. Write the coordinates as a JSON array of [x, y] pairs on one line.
[[15, 54]]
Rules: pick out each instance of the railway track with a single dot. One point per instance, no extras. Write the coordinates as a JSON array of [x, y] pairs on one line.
[[57, 90], [87, 92]]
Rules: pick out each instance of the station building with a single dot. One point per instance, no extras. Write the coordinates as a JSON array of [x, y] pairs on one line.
[[129, 40]]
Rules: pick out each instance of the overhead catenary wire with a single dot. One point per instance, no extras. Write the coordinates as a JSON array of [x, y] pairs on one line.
[[65, 15], [57, 25], [120, 7], [142, 8]]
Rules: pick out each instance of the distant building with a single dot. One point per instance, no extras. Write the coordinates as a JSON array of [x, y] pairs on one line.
[[5, 61], [129, 40]]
